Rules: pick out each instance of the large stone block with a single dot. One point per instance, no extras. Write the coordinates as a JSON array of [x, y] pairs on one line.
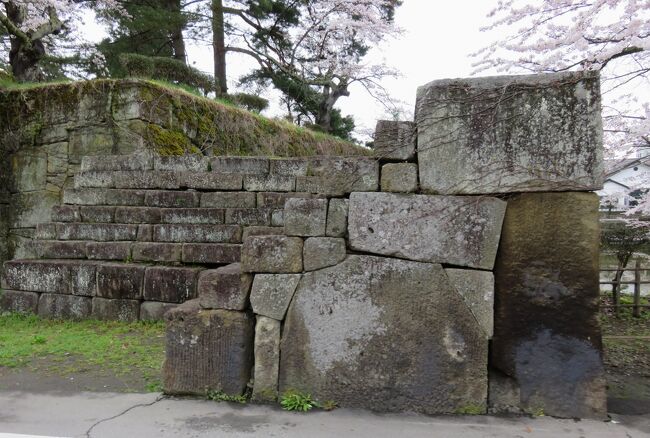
[[277, 199], [146, 180], [274, 254], [213, 216], [182, 233], [103, 197], [289, 166], [305, 217], [65, 213], [138, 215], [120, 281], [269, 183], [248, 216], [211, 253], [54, 249], [95, 214], [171, 199], [477, 288], [57, 306], [18, 301], [321, 252], [395, 140], [242, 165], [339, 176], [192, 163], [272, 293], [224, 288], [37, 276], [546, 330], [29, 169], [98, 232], [172, 285], [267, 359], [228, 200], [219, 341], [346, 339], [261, 231], [337, 217], [460, 231], [108, 250], [210, 181], [140, 162], [115, 310], [157, 252], [510, 134], [399, 177], [32, 208]]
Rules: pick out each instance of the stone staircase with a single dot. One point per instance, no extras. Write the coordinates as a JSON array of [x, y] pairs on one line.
[[135, 235]]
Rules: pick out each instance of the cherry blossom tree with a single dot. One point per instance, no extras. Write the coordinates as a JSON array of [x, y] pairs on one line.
[[35, 27]]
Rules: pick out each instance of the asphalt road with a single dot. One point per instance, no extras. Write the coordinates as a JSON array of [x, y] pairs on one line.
[[151, 415]]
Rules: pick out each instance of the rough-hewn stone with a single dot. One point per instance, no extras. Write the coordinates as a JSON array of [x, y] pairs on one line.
[[211, 253], [399, 177], [224, 288], [171, 199], [157, 252], [83, 278], [172, 285], [346, 339], [117, 162], [137, 215], [18, 301], [45, 231], [267, 359], [228, 200], [95, 214], [98, 232], [395, 140], [510, 134], [242, 165], [248, 216], [269, 183], [321, 252], [154, 311], [277, 199], [213, 216], [115, 310], [305, 217], [207, 350], [103, 197], [477, 288], [54, 249], [261, 231], [146, 180], [272, 293], [210, 181], [274, 254], [64, 306], [197, 233], [37, 276], [193, 163], [66, 213], [108, 250], [120, 281], [460, 231], [546, 331], [289, 166]]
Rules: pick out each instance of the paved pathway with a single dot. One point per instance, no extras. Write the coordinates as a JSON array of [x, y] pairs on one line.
[[151, 415]]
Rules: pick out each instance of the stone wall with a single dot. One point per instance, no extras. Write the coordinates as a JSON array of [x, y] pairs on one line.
[[455, 272]]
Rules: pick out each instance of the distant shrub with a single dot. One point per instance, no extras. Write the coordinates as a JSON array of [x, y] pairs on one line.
[[249, 101]]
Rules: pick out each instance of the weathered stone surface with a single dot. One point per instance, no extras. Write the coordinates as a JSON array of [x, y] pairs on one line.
[[117, 162], [45, 232], [193, 163], [269, 183], [171, 199], [242, 165], [37, 276], [54, 249], [459, 231], [193, 216], [228, 200], [275, 254], [94, 180], [103, 197], [145, 233], [277, 199], [108, 250], [157, 252], [29, 169], [210, 181], [172, 285], [94, 214], [289, 166], [18, 301], [395, 140], [261, 231], [267, 359], [346, 339], [98, 232], [546, 330], [399, 177], [120, 281], [224, 288], [510, 134], [477, 289], [321, 252], [272, 293], [504, 395], [154, 311], [115, 310], [83, 278], [197, 233], [211, 253], [137, 215], [207, 350], [339, 176], [305, 217], [248, 216], [32, 208], [146, 180], [66, 213], [64, 306]]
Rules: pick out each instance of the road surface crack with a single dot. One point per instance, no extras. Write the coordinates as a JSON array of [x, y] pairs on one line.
[[125, 411]]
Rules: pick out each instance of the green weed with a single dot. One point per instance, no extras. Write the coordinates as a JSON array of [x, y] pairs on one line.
[[295, 401]]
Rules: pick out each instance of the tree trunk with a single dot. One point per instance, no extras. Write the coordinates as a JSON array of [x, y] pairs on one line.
[[176, 34], [219, 47], [324, 116], [24, 60]]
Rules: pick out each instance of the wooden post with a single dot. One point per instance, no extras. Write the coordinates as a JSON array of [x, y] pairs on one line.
[[636, 310]]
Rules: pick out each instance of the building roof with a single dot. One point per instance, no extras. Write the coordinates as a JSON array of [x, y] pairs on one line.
[[616, 165]]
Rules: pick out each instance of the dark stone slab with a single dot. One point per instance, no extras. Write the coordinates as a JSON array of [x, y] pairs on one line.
[[97, 214], [184, 233], [54, 249], [546, 331], [221, 344], [19, 301], [274, 254], [214, 216], [108, 250], [211, 253], [172, 285], [137, 215], [120, 281], [248, 216], [224, 288], [157, 252], [37, 276], [154, 311], [115, 310], [57, 306], [103, 197], [171, 199], [66, 213], [98, 232], [395, 140]]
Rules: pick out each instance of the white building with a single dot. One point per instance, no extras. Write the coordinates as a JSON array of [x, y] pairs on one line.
[[622, 178]]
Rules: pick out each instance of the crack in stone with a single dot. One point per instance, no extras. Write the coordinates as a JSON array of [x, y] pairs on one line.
[[125, 411]]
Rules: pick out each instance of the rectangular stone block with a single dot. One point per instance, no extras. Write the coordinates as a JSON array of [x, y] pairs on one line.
[[19, 301], [277, 199], [269, 183], [137, 215], [54, 249], [272, 293], [510, 134], [222, 342], [339, 176], [289, 166], [45, 232], [211, 181], [175, 285], [94, 180], [94, 214], [155, 311], [103, 197], [117, 162], [477, 289], [454, 230], [305, 217], [120, 281], [65, 213], [224, 288], [192, 163], [321, 252], [399, 177], [213, 216], [241, 165], [248, 216], [171, 199], [261, 231], [105, 309], [146, 180], [274, 254], [145, 233], [546, 330], [157, 252], [99, 232], [197, 233], [395, 140], [57, 306], [228, 200], [337, 217], [277, 218], [267, 359], [211, 253], [83, 278], [37, 276], [108, 250]]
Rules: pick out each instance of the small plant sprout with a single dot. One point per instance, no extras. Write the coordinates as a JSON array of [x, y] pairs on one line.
[[295, 401]]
